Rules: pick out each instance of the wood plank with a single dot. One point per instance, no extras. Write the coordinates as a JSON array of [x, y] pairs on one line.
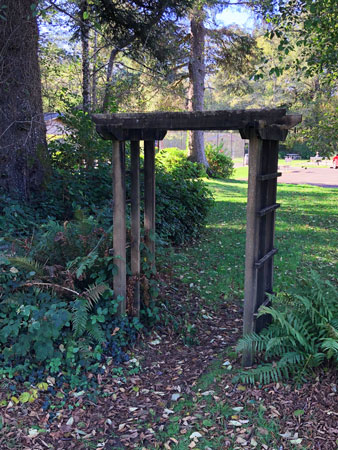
[[113, 132], [149, 198], [252, 239], [269, 176], [119, 222], [265, 276], [268, 209], [265, 258], [197, 120], [135, 224]]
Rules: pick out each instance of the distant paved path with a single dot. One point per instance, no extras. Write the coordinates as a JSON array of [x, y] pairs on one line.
[[324, 177]]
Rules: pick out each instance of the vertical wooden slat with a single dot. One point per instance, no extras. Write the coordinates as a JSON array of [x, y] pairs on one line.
[[135, 224], [273, 147], [119, 222], [149, 198], [252, 238], [266, 225], [263, 161]]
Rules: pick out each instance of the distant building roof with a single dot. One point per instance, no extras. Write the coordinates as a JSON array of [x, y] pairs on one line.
[[52, 116]]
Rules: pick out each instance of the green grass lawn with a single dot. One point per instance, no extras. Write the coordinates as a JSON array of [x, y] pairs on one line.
[[306, 238]]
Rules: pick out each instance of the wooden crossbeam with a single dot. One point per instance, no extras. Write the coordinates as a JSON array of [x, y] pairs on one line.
[[268, 209], [269, 176], [265, 258], [125, 126]]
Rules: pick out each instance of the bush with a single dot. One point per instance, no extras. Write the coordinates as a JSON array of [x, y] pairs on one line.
[[81, 146], [220, 165], [303, 334], [175, 162], [182, 207], [57, 313]]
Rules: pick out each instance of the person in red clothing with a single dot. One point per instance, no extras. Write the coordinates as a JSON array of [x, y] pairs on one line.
[[335, 162]]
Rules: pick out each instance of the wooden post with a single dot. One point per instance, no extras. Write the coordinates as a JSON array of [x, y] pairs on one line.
[[261, 207], [149, 198], [251, 249], [119, 222], [135, 224]]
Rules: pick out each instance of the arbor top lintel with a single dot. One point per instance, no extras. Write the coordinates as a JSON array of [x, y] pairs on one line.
[[198, 120]]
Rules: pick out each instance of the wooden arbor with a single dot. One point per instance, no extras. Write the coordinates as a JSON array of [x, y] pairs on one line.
[[264, 129]]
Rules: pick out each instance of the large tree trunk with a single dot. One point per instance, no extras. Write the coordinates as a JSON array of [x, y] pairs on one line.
[[84, 30], [94, 74], [24, 163], [196, 84], [107, 90]]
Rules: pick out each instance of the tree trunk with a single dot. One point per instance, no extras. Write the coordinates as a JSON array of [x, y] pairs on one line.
[[84, 30], [107, 89], [196, 85], [24, 163], [94, 73]]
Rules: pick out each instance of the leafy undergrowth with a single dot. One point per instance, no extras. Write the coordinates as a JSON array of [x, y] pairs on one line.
[[176, 391]]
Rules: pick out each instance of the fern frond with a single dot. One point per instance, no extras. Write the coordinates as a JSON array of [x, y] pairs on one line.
[[26, 263], [93, 294], [96, 332], [80, 316]]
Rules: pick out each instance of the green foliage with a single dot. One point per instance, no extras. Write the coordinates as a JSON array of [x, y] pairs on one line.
[[176, 163], [220, 165], [303, 334], [317, 35], [81, 145], [182, 207]]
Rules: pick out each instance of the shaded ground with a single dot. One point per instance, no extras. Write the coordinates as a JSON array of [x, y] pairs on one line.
[[177, 392], [181, 398]]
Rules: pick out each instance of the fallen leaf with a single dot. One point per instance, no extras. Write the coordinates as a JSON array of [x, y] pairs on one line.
[[70, 421], [194, 435]]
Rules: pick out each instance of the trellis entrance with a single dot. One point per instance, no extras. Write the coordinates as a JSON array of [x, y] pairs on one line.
[[264, 129]]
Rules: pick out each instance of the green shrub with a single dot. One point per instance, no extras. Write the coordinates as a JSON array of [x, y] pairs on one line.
[[302, 336], [220, 165], [182, 207], [81, 145], [175, 162]]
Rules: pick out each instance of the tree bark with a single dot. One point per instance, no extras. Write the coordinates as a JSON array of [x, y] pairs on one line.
[[84, 31], [94, 73], [24, 163], [196, 84], [107, 89]]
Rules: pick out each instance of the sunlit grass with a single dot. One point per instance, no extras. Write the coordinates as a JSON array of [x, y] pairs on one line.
[[306, 238]]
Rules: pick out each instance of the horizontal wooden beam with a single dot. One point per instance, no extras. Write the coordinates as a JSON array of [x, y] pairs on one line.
[[269, 176], [113, 132], [268, 209], [265, 258], [198, 120]]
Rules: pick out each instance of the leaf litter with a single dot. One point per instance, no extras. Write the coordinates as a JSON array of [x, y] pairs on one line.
[[135, 411]]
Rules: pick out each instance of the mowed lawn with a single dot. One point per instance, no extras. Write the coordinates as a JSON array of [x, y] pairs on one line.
[[219, 414], [306, 238]]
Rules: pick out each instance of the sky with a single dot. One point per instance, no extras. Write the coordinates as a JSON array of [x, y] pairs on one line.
[[239, 16]]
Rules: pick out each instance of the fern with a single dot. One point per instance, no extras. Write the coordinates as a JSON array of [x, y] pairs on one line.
[[96, 332], [80, 316], [303, 334], [25, 263], [94, 292], [81, 309]]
